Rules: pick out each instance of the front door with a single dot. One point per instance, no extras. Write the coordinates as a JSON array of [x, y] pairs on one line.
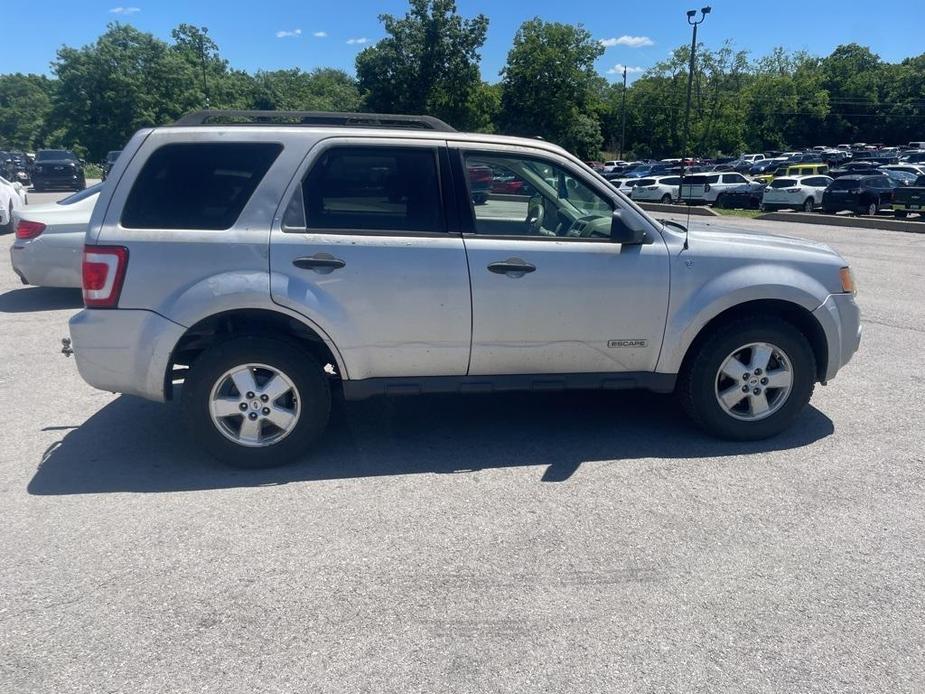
[[551, 293], [364, 251]]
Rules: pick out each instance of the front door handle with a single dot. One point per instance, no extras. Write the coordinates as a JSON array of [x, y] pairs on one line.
[[320, 262], [512, 267]]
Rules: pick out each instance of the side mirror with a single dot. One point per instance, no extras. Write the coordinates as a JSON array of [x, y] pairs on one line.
[[627, 231]]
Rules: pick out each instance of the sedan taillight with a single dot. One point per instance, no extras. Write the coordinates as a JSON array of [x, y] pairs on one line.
[[103, 273], [28, 230]]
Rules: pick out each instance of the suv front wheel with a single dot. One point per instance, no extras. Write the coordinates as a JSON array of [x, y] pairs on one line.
[[749, 379], [256, 402]]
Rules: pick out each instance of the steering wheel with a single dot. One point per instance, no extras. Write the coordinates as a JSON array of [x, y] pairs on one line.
[[536, 213]]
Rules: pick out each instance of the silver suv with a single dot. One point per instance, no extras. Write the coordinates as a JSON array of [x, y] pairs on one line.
[[265, 260]]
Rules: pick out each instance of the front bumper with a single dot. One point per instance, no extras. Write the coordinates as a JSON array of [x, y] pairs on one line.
[[124, 350], [840, 319]]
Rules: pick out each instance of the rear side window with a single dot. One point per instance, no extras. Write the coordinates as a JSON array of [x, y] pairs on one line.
[[197, 185], [375, 189], [673, 181], [782, 183]]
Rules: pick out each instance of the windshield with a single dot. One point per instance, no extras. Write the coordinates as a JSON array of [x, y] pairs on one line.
[[82, 195], [50, 154]]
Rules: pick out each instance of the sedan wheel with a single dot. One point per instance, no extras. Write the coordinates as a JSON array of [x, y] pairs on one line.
[[872, 209], [809, 205]]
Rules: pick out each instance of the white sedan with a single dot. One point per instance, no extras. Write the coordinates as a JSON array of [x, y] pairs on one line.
[[12, 197], [48, 248], [662, 189], [795, 192]]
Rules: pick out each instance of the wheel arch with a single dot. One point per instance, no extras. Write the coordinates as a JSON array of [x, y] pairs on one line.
[[247, 321], [795, 314]]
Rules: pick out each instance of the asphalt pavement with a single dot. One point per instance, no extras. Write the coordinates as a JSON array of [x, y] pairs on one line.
[[517, 543]]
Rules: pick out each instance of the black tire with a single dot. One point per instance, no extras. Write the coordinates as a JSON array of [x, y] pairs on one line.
[[666, 199], [871, 209], [285, 356], [8, 227], [809, 205], [698, 380], [720, 202]]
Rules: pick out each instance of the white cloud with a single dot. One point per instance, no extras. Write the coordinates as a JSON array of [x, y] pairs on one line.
[[631, 41], [361, 40], [618, 69], [320, 34], [124, 10], [294, 33]]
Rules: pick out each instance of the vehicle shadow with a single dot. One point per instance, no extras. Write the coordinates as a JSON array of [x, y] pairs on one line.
[[40, 299], [132, 445]]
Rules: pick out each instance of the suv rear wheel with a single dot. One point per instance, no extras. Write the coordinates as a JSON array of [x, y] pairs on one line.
[[256, 402], [749, 379]]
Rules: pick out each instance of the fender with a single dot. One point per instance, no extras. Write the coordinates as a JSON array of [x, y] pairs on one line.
[[692, 307]]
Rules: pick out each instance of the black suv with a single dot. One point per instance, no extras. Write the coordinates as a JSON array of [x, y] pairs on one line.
[[859, 193], [57, 168], [109, 161]]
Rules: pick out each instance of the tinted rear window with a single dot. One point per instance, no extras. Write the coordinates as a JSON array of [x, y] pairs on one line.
[[782, 183], [197, 185], [646, 182], [842, 184]]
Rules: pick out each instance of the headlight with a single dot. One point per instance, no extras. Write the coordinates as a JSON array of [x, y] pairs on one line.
[[848, 285]]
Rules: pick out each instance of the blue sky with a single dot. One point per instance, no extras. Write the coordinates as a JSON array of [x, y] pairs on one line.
[[308, 34]]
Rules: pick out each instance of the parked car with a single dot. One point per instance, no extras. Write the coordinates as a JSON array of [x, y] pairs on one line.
[[267, 265], [798, 192], [625, 185], [909, 199], [790, 170], [110, 159], [900, 179], [862, 194], [57, 169], [917, 157], [752, 157], [596, 165], [705, 188], [613, 164], [742, 197], [480, 183], [914, 169], [13, 197], [662, 189], [50, 239]]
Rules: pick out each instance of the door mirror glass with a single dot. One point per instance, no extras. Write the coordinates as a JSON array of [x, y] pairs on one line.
[[626, 230]]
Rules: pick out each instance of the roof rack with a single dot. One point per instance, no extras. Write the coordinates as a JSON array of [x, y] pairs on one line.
[[314, 118]]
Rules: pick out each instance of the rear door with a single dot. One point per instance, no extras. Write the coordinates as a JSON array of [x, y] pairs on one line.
[[365, 249], [551, 293]]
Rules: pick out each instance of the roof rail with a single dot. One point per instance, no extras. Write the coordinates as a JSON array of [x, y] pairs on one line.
[[313, 118]]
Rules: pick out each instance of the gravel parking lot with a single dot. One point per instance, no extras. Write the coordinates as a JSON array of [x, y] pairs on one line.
[[514, 544]]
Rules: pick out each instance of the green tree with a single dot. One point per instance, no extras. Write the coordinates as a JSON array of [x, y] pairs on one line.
[[124, 81], [550, 87], [428, 63], [25, 103], [324, 89]]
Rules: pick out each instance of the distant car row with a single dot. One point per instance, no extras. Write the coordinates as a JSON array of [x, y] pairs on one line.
[[859, 193]]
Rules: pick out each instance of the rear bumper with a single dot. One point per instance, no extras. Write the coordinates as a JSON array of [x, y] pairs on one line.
[[840, 319], [46, 262], [124, 351]]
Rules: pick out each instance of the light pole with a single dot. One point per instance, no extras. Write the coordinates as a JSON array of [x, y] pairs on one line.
[[202, 57], [694, 22], [623, 110]]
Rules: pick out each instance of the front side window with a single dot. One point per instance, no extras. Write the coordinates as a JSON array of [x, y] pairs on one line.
[[197, 185], [545, 200], [372, 189]]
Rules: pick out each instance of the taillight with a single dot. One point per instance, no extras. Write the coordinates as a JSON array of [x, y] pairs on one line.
[[103, 274], [28, 230], [706, 187]]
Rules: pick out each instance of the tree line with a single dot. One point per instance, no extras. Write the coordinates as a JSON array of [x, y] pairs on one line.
[[428, 62]]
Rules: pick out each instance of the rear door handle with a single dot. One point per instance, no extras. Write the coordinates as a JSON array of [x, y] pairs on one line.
[[320, 262], [512, 267]]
